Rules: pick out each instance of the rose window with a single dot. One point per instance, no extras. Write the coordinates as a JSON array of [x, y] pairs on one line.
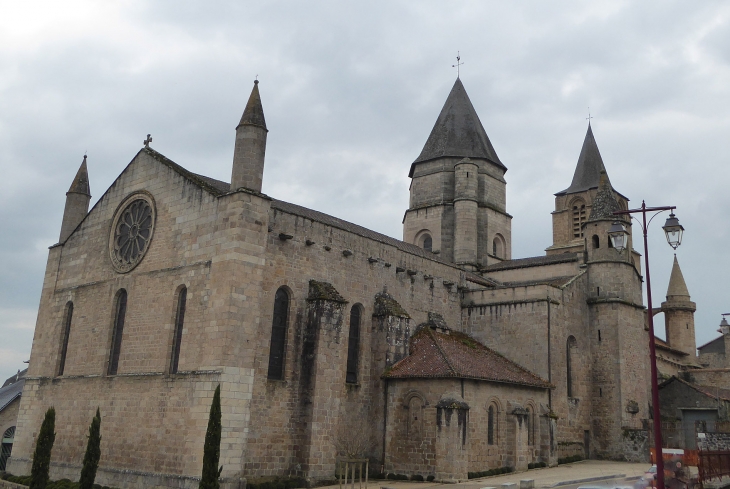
[[132, 233]]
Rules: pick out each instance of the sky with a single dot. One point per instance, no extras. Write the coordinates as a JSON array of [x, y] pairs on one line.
[[351, 91]]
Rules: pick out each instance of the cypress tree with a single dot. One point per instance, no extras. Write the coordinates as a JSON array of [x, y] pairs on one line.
[[42, 454], [93, 453], [212, 449]]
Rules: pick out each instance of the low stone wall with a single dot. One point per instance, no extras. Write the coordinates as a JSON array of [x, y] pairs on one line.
[[713, 441], [11, 485]]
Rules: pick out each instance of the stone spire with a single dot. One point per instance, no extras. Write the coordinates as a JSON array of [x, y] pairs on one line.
[[605, 203], [677, 289], [77, 202], [458, 132], [589, 168], [250, 149]]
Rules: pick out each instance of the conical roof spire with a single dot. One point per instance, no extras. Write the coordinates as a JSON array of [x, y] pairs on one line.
[[605, 203], [80, 184], [590, 165], [458, 132], [253, 114], [677, 287]]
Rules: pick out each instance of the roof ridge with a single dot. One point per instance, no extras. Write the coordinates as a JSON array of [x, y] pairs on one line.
[[431, 334]]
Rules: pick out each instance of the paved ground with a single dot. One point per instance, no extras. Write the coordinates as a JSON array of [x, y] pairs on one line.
[[566, 476]]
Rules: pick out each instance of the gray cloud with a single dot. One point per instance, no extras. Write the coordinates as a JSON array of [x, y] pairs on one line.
[[351, 92]]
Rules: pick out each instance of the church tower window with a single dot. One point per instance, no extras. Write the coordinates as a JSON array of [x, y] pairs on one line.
[[427, 243], [498, 246], [579, 218], [66, 332], [120, 312], [278, 334], [182, 299], [596, 242], [353, 344]]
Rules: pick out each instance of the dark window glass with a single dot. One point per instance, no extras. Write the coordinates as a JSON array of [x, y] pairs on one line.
[[596, 242], [427, 243], [353, 345], [278, 335], [179, 321], [490, 425], [121, 310], [569, 364], [66, 333], [530, 427]]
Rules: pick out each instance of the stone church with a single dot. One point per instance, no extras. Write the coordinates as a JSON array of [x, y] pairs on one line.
[[441, 352]]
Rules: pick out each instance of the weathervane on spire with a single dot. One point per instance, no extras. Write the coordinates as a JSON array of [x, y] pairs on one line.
[[458, 59], [589, 116]]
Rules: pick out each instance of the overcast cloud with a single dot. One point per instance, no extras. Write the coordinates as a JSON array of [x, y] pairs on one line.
[[350, 91]]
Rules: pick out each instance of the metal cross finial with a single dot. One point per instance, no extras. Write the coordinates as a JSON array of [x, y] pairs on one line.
[[458, 59], [147, 141], [589, 116]]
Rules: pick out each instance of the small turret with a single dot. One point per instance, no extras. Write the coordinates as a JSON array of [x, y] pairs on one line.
[[250, 150], [679, 313], [77, 202]]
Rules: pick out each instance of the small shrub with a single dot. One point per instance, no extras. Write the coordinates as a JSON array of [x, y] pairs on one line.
[[401, 477], [391, 476], [417, 477], [430, 478]]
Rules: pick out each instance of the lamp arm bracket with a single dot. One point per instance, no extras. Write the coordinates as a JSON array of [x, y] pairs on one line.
[[652, 217]]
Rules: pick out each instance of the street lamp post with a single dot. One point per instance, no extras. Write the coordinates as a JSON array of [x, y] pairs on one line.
[[619, 239]]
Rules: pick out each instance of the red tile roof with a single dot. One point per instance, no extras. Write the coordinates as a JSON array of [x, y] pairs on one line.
[[450, 354]]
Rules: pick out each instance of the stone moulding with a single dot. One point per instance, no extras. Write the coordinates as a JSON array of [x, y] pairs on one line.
[[609, 300]]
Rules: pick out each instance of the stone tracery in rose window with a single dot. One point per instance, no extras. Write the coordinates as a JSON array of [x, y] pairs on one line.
[[132, 233]]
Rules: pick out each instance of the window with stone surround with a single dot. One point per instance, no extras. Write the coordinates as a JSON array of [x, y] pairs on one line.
[[569, 348], [492, 424], [120, 310], [530, 425], [278, 334], [182, 299], [498, 246], [427, 243], [67, 317], [579, 217], [596, 242], [353, 344]]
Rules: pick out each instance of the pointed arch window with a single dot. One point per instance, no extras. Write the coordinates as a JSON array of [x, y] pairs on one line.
[[353, 344], [278, 334], [570, 346], [65, 335], [182, 299], [579, 217], [120, 312]]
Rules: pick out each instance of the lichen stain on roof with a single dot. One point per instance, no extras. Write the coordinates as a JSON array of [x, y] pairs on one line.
[[324, 291], [385, 305], [452, 354], [605, 203], [458, 132]]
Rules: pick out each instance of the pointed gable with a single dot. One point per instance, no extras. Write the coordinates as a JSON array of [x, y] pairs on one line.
[[677, 286], [253, 114], [442, 353], [80, 185], [458, 132], [588, 170]]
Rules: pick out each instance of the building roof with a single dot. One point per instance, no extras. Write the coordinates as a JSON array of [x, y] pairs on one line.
[[458, 132], [589, 167], [442, 353], [709, 391], [12, 389], [663, 345], [677, 286], [719, 338], [80, 185], [253, 114], [604, 204], [533, 261]]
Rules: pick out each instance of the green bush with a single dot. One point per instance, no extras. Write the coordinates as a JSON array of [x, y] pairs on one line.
[[212, 447], [93, 453], [417, 478], [430, 478]]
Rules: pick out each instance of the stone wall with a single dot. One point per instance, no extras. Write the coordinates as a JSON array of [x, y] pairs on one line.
[[715, 377]]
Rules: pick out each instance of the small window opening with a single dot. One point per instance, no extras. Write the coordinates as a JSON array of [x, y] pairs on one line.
[[490, 425], [353, 345], [598, 291], [579, 218], [66, 333], [120, 313], [599, 335], [600, 392], [571, 344], [596, 242], [179, 322], [427, 243], [278, 335], [530, 425]]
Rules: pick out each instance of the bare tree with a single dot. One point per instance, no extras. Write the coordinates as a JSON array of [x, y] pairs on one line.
[[354, 439]]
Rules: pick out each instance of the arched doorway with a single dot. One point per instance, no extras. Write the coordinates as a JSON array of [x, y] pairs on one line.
[[7, 446]]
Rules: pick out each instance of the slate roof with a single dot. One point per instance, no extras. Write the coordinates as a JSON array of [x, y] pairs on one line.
[[11, 392], [719, 338], [218, 188], [450, 354], [553, 281], [709, 391], [534, 261], [80, 185], [589, 167], [458, 132], [677, 285], [253, 114]]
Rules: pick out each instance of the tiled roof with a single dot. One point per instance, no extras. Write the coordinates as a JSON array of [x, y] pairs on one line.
[[534, 261], [450, 354], [458, 132], [660, 343]]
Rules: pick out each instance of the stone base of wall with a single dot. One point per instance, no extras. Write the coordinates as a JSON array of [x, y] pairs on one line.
[[127, 479], [11, 485], [636, 445]]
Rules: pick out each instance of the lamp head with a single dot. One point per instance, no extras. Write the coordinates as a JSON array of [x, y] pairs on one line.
[[619, 236], [673, 230]]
